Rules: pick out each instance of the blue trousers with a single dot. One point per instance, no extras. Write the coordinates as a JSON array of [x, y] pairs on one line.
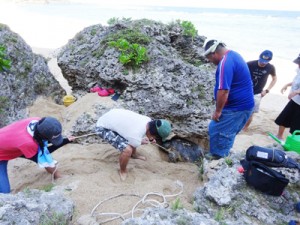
[[4, 182], [223, 132]]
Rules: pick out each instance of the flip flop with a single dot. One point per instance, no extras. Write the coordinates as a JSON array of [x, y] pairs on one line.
[[116, 96], [103, 93], [110, 91], [95, 89]]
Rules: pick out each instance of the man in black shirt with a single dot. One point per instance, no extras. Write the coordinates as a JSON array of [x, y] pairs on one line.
[[260, 70]]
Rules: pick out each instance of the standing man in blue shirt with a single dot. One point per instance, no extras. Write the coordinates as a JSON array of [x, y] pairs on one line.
[[260, 70], [234, 97]]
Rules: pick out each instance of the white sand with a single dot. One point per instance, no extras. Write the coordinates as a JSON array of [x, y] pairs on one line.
[[91, 172]]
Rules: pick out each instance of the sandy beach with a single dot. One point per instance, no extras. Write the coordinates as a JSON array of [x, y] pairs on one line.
[[91, 171]]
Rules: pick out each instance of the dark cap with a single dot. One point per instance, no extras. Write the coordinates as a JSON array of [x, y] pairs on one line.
[[265, 57], [297, 61], [50, 129], [160, 127]]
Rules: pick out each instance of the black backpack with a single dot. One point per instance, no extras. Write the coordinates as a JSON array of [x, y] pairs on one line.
[[263, 178], [260, 176], [271, 157]]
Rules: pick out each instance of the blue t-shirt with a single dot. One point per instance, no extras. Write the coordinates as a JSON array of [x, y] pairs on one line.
[[233, 75]]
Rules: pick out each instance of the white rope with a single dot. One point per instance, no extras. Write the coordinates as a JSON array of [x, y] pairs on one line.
[[116, 196], [52, 175], [144, 200], [85, 135]]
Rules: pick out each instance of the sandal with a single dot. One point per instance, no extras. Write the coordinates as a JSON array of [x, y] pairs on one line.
[[103, 93], [110, 91], [95, 89]]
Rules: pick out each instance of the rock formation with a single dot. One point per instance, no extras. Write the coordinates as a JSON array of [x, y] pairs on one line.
[[176, 82], [28, 78]]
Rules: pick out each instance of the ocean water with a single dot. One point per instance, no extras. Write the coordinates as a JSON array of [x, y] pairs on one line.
[[248, 32]]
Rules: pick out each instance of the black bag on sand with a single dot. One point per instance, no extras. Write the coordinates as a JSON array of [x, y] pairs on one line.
[[263, 178], [271, 157]]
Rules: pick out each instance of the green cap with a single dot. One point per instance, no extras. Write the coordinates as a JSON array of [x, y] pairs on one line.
[[164, 129]]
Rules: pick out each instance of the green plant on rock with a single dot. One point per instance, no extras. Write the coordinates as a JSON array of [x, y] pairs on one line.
[[131, 35], [4, 102], [125, 72], [177, 205], [115, 20], [27, 192], [182, 221], [201, 169], [228, 161], [53, 218], [4, 62], [48, 187], [93, 32], [220, 215], [131, 54], [188, 29]]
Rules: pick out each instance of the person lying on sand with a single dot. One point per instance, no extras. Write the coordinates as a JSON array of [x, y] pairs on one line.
[[126, 130]]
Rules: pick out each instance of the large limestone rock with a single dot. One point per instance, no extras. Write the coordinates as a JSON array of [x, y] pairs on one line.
[[28, 78], [35, 207], [176, 83]]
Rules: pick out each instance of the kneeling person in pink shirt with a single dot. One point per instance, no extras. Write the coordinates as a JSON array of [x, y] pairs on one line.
[[28, 138]]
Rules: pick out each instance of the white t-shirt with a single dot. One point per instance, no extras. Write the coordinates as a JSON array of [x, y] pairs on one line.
[[296, 86], [130, 125]]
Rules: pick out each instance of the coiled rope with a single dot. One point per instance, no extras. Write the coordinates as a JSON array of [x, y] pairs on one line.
[[144, 201]]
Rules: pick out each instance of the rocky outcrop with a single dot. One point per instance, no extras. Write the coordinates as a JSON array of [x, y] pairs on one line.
[[176, 83], [35, 207], [227, 199], [170, 217], [28, 78]]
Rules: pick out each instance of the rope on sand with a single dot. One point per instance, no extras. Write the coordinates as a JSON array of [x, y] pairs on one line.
[[53, 173], [153, 143], [56, 166], [144, 200]]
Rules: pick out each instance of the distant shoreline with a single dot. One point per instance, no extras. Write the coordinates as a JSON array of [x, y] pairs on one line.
[[50, 55]]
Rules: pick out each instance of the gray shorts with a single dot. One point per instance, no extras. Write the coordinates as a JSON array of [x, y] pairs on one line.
[[112, 138], [257, 100]]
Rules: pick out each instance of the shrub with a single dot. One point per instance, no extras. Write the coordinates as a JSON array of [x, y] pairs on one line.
[[177, 205], [48, 187], [131, 35], [4, 102], [4, 62], [131, 54], [228, 161], [53, 218], [115, 20], [189, 29]]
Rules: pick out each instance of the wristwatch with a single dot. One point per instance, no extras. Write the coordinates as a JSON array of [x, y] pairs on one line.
[[267, 91]]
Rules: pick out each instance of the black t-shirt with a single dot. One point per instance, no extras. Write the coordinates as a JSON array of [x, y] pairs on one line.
[[260, 75]]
